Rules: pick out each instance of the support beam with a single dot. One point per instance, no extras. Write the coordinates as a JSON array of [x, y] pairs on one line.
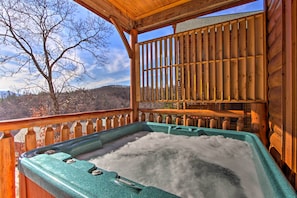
[[7, 166], [133, 77], [123, 37]]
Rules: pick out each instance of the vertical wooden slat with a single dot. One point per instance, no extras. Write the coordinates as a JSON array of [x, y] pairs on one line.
[[127, 119], [177, 57], [116, 121], [187, 67], [30, 140], [65, 132], [121, 120], [205, 59], [89, 127], [193, 66], [156, 71], [234, 60], [200, 65], [260, 74], [138, 88], [161, 69], [166, 68], [147, 73], [226, 63], [212, 67], [99, 126], [219, 62], [182, 66], [49, 136], [142, 73], [171, 67], [78, 129], [107, 123], [152, 72], [242, 47], [251, 58]]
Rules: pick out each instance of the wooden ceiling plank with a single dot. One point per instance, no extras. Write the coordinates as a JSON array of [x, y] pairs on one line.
[[160, 9], [184, 12], [105, 10]]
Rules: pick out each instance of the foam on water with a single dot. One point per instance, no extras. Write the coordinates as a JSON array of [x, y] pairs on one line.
[[204, 166]]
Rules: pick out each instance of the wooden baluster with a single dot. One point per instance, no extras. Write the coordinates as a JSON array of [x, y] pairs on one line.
[[159, 118], [226, 124], [107, 123], [189, 121], [65, 132], [7, 165], [151, 117], [30, 140], [127, 119], [115, 121], [49, 136], [142, 117], [168, 119], [78, 129], [121, 120], [99, 126], [201, 122], [177, 120], [213, 123], [89, 127], [240, 124]]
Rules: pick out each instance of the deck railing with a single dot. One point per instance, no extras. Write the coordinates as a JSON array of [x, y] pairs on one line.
[[56, 129], [197, 117]]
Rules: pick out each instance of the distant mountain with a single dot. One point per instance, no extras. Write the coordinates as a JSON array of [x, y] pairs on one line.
[[28, 105]]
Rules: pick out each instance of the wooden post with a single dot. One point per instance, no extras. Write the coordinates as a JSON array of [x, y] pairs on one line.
[[30, 140], [259, 121], [133, 77], [142, 117], [226, 124], [99, 124], [49, 136], [90, 127], [127, 119], [213, 123], [240, 124], [65, 132], [201, 122], [107, 123], [78, 129], [115, 121], [121, 120], [7, 166], [168, 119], [151, 117]]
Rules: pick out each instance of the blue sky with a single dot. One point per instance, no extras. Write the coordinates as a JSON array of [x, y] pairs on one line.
[[117, 69]]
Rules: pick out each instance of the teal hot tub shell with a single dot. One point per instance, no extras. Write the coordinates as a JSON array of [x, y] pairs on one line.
[[58, 170]]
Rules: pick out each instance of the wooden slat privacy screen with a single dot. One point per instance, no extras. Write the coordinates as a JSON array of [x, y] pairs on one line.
[[224, 62]]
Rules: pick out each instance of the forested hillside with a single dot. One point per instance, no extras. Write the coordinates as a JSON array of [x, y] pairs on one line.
[[32, 105]]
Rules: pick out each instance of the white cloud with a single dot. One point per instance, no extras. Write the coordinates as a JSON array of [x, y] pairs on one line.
[[118, 61]]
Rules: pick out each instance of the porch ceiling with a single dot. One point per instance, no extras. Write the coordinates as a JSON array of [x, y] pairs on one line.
[[146, 15]]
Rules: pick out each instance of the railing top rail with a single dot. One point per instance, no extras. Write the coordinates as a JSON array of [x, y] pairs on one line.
[[199, 112], [7, 125]]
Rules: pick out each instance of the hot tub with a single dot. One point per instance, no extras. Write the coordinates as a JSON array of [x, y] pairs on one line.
[[62, 170]]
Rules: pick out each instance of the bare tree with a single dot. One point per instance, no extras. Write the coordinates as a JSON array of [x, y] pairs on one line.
[[51, 40]]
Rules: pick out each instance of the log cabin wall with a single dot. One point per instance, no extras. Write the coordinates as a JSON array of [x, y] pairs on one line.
[[281, 47]]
